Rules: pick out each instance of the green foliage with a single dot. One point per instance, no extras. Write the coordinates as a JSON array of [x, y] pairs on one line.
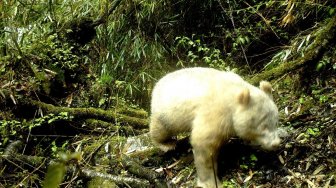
[[198, 53], [301, 100], [230, 183], [327, 62], [313, 132], [56, 170], [56, 150], [10, 129], [297, 48], [244, 166], [323, 99], [248, 163], [101, 183], [60, 116], [137, 44], [50, 118], [33, 49], [124, 70], [253, 158], [55, 175], [318, 94]]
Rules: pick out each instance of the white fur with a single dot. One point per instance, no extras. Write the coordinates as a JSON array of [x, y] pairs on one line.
[[214, 106]]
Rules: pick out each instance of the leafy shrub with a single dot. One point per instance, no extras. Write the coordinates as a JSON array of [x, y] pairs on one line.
[[13, 129], [199, 53]]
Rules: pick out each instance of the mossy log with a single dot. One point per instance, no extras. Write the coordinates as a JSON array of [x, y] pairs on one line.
[[11, 155], [126, 129], [120, 180], [143, 172], [139, 113], [323, 38], [92, 113]]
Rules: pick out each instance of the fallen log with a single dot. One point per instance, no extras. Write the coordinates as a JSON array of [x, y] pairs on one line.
[[143, 172], [91, 113], [126, 129], [120, 180]]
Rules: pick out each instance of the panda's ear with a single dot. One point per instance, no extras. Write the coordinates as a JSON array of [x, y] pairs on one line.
[[266, 87], [244, 97]]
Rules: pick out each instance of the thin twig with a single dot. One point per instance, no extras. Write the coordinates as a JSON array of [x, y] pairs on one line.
[[234, 28]]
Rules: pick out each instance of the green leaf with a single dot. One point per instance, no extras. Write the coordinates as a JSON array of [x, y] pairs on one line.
[[313, 131], [64, 114], [243, 167], [241, 40], [319, 66], [253, 157], [101, 102], [55, 175]]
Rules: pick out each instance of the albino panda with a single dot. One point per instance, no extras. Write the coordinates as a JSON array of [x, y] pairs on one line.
[[213, 106]]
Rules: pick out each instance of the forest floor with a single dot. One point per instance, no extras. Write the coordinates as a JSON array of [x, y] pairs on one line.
[[123, 156]]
